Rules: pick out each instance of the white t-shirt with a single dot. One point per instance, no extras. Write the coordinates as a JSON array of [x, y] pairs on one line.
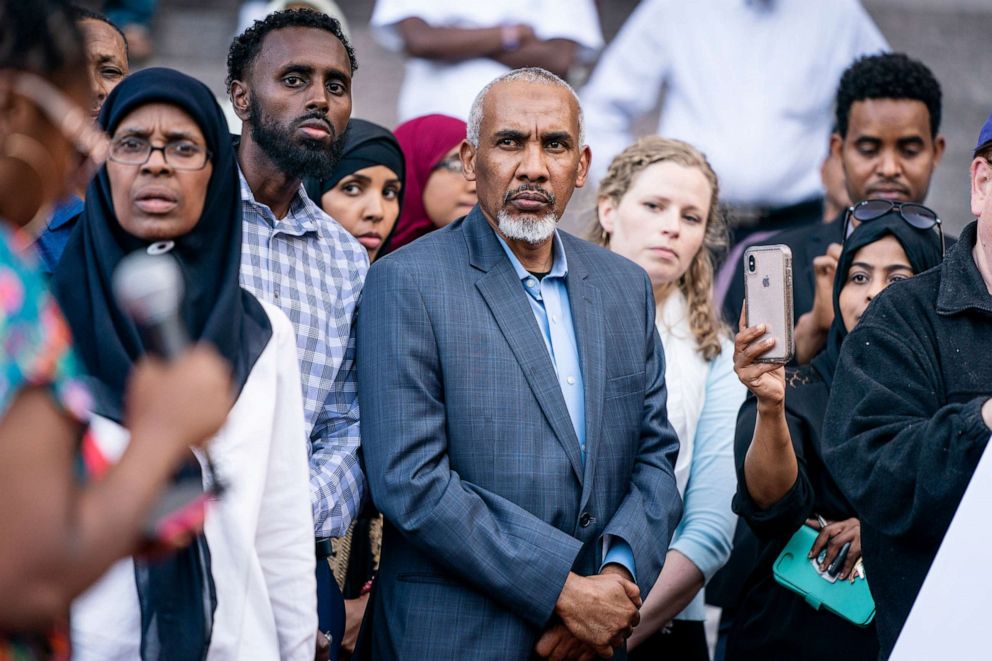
[[260, 532], [750, 84], [449, 88]]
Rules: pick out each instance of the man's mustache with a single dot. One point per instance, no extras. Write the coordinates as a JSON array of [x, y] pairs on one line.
[[548, 196]]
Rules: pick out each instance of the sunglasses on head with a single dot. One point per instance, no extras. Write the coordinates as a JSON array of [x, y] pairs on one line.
[[915, 215]]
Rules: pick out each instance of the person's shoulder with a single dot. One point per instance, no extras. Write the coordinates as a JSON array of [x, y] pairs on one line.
[[598, 260], [428, 256]]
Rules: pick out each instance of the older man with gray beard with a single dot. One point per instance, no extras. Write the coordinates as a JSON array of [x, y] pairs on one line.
[[513, 392]]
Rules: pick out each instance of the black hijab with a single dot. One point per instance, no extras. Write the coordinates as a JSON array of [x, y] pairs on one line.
[[922, 249], [365, 145], [215, 308], [176, 594]]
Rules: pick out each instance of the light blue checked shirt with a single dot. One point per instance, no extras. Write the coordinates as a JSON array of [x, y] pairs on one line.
[[548, 298], [312, 269]]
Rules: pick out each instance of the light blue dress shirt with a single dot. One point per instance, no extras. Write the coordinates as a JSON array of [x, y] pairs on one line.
[[548, 298]]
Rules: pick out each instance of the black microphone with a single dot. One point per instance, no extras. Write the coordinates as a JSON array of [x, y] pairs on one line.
[[149, 289]]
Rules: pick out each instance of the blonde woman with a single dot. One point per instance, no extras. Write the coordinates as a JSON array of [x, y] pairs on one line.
[[657, 206]]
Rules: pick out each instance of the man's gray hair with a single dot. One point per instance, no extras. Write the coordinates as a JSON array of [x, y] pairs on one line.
[[527, 75]]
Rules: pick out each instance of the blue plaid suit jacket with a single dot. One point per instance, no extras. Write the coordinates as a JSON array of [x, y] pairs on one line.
[[470, 452]]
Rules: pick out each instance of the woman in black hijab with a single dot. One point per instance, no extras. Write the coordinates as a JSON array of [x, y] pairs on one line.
[[245, 586], [365, 191], [782, 481]]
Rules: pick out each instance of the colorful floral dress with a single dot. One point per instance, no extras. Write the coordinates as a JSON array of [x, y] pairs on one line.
[[35, 350]]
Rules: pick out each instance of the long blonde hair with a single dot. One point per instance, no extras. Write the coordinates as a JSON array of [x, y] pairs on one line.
[[696, 284]]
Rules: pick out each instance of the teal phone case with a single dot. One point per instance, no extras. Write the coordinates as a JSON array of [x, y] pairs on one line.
[[792, 569]]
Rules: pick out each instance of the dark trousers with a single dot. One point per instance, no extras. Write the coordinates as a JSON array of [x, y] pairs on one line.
[[330, 606], [685, 640]]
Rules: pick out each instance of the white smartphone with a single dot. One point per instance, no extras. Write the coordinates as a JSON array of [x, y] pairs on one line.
[[768, 298]]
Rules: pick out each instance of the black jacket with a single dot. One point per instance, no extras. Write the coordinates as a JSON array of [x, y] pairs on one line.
[[904, 429], [773, 622]]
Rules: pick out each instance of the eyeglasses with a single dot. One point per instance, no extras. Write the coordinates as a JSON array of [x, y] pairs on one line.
[[451, 164], [180, 154], [915, 215], [75, 125]]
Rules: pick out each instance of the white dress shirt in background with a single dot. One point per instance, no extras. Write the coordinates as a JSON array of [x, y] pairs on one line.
[[751, 84], [260, 531], [431, 86]]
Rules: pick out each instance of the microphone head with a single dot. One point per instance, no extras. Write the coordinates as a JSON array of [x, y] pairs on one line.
[[148, 288]]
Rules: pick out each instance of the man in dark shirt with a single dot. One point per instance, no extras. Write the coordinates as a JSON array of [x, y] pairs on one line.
[[887, 138], [911, 408]]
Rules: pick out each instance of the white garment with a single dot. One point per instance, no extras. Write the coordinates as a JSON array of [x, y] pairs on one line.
[[449, 88], [687, 372], [260, 532], [703, 400], [751, 84]]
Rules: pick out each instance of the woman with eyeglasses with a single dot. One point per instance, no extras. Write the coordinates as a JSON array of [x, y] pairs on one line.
[[436, 192], [365, 190], [782, 481], [245, 587], [60, 533]]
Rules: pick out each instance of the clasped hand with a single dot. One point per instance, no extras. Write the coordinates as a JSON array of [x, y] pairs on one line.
[[593, 617]]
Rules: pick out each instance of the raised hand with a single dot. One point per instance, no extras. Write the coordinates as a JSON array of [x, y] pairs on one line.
[[181, 403], [765, 380]]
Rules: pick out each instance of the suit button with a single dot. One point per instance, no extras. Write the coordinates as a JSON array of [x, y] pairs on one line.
[[585, 519]]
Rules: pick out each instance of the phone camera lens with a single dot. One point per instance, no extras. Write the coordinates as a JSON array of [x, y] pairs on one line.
[[750, 263]]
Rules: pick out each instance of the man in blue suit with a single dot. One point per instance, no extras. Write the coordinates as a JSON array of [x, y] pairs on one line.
[[514, 427]]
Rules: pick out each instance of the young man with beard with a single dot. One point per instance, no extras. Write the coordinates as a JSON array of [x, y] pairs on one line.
[[515, 431], [289, 79]]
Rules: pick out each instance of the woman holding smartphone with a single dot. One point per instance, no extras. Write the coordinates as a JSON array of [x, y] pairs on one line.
[[782, 482], [658, 206]]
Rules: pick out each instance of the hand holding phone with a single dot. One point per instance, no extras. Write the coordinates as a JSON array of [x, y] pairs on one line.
[[768, 299]]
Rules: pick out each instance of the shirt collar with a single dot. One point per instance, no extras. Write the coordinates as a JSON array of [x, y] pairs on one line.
[[961, 284], [559, 265], [66, 210], [301, 218]]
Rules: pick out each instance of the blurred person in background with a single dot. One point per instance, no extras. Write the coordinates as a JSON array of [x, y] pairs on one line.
[[658, 206], [289, 78], [61, 534], [107, 61], [256, 10], [887, 138], [436, 192], [455, 47], [782, 481], [134, 17], [757, 100], [835, 201], [364, 192], [246, 586]]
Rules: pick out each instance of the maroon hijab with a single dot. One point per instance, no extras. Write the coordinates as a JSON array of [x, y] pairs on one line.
[[424, 141]]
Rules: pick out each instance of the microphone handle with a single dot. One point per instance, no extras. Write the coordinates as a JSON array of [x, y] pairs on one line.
[[166, 338]]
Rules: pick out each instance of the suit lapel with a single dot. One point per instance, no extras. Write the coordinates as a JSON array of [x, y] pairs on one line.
[[590, 334], [503, 293]]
